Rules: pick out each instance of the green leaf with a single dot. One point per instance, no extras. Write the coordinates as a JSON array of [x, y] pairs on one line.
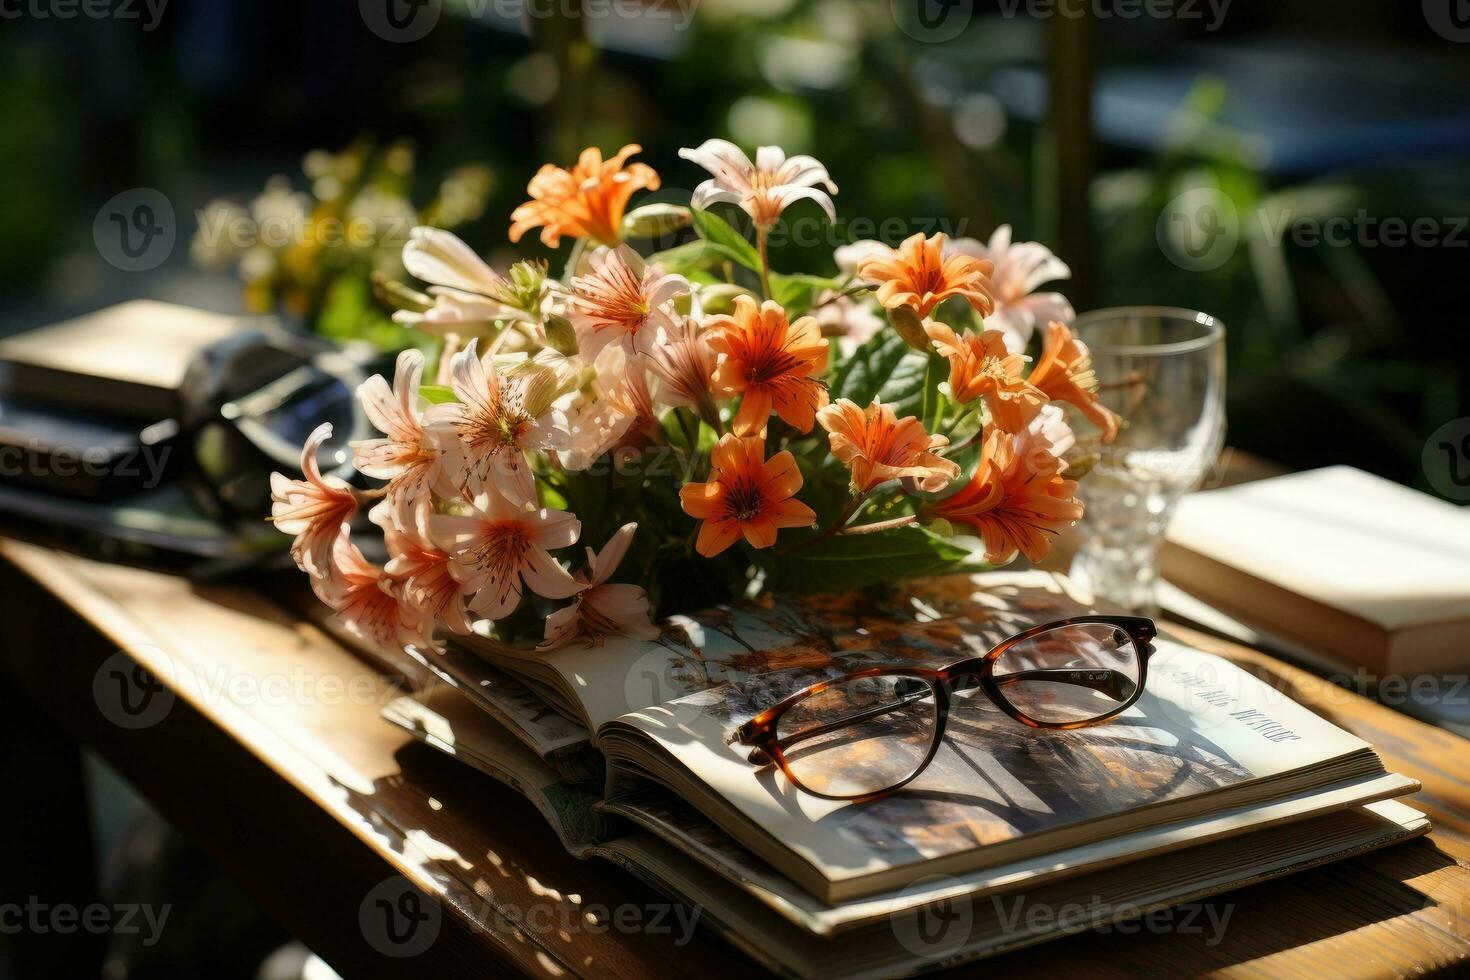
[[861, 376], [887, 369], [712, 228], [560, 335], [692, 256], [797, 292], [906, 388], [852, 561], [437, 394]]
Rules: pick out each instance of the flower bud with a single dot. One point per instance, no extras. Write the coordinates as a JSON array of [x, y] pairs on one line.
[[910, 327], [1081, 467], [653, 220], [559, 334], [527, 282], [719, 297]]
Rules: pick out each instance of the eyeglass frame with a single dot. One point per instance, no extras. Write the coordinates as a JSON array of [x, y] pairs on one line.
[[760, 731]]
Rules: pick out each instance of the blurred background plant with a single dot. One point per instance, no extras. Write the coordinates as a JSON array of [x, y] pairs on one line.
[[312, 255], [1195, 159]]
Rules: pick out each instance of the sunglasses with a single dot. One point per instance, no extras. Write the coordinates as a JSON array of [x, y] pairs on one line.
[[250, 401], [868, 733]]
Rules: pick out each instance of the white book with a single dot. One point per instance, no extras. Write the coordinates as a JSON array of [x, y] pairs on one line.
[[1361, 569]]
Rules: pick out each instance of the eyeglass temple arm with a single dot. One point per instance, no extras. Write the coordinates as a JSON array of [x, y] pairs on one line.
[[1114, 683]]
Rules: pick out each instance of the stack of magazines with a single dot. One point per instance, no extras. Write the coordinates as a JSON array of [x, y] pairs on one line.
[[646, 754]]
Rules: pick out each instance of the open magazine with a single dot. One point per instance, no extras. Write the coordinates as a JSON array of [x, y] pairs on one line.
[[1208, 758]]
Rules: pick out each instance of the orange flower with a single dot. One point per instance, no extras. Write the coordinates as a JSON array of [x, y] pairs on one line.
[[1015, 501], [918, 274], [980, 366], [747, 494], [769, 363], [1064, 373], [879, 447], [584, 202]]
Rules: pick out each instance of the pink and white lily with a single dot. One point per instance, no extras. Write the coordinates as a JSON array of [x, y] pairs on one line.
[[465, 289], [1020, 269], [367, 600], [497, 420], [621, 300], [312, 509], [621, 414], [598, 609], [684, 363], [503, 547], [407, 455], [426, 583], [762, 189]]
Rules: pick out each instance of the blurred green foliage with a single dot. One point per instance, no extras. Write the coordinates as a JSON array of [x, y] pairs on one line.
[[36, 155], [1336, 353]]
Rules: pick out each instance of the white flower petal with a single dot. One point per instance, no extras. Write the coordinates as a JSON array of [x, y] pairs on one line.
[[724, 159], [768, 159], [611, 556], [440, 257], [805, 171], [545, 576], [786, 195], [710, 192]]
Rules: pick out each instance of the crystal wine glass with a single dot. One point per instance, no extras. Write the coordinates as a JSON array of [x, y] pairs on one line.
[[1163, 371]]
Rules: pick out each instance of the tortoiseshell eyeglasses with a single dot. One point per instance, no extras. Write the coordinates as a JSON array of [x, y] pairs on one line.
[[871, 732]]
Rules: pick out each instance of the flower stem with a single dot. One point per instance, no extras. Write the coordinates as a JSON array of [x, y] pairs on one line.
[[447, 350], [710, 414], [846, 293], [836, 526], [962, 415], [879, 526], [690, 425], [762, 246]]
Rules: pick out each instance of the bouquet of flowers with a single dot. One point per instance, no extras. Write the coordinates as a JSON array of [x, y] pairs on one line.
[[705, 426]]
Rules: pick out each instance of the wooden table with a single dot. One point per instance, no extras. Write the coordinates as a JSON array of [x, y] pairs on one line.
[[264, 745]]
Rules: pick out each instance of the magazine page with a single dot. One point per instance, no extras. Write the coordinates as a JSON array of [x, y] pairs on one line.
[[546, 731], [678, 823], [907, 943], [1201, 726], [943, 618]]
